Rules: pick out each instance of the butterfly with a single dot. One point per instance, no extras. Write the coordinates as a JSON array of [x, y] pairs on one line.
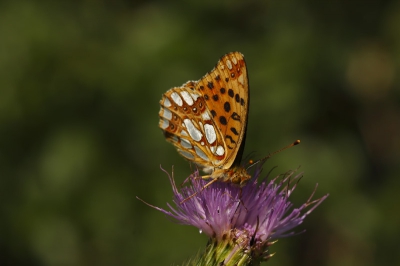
[[206, 120]]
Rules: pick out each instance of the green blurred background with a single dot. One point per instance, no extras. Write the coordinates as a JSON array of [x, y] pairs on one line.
[[80, 83]]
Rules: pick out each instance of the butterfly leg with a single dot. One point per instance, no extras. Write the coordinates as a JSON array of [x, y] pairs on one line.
[[206, 177], [194, 194]]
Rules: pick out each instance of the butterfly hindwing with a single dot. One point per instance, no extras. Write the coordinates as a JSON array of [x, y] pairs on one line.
[[206, 119]]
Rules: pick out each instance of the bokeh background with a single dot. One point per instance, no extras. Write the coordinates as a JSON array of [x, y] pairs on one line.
[[80, 83]]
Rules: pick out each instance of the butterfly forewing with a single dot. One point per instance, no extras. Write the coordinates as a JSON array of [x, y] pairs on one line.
[[206, 119], [225, 90]]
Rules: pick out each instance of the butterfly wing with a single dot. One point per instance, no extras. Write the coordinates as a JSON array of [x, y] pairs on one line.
[[206, 120]]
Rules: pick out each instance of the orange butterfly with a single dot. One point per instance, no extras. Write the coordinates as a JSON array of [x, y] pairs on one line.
[[206, 119]]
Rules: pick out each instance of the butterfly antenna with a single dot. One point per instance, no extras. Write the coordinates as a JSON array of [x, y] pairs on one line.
[[248, 157], [275, 152]]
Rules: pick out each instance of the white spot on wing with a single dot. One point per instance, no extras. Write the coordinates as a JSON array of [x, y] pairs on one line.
[[187, 98], [186, 154], [205, 116], [241, 80], [234, 60], [164, 123], [201, 154], [195, 96], [210, 133], [176, 98], [166, 113], [194, 133], [183, 133], [167, 103], [186, 144], [229, 64], [220, 151]]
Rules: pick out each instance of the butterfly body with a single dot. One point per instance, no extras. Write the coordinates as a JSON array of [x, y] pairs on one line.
[[206, 119], [237, 175]]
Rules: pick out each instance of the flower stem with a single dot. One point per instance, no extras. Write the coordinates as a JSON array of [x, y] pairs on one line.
[[227, 252]]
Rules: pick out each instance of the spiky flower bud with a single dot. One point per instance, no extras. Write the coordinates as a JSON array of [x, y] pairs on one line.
[[241, 222]]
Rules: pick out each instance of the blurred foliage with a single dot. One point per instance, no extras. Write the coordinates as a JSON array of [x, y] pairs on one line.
[[80, 83]]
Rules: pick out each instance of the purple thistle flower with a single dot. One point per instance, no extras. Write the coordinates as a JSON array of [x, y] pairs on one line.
[[248, 219]]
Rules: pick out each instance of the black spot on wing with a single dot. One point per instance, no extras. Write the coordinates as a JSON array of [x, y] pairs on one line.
[[234, 131], [222, 120], [235, 116], [237, 98], [231, 139], [227, 107]]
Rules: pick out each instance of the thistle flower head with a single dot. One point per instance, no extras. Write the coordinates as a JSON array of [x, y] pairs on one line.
[[250, 218]]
